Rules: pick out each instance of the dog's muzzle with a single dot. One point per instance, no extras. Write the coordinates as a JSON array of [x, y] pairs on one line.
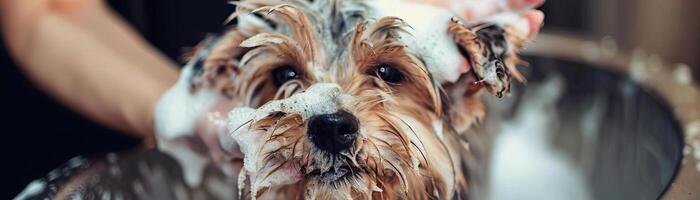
[[333, 132]]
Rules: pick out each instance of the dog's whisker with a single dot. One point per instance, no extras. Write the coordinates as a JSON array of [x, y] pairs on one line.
[[382, 141], [259, 193], [287, 89], [349, 157], [294, 147], [384, 160], [275, 169], [381, 159], [395, 132], [420, 149], [242, 125], [402, 177], [269, 155]]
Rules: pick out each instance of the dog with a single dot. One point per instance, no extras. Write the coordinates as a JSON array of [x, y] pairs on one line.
[[342, 99]]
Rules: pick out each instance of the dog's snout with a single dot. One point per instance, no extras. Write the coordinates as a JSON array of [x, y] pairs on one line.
[[333, 132]]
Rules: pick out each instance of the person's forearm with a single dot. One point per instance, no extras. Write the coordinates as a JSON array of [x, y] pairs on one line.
[[84, 56]]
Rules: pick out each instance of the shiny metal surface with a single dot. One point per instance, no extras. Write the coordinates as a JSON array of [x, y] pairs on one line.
[[623, 138]]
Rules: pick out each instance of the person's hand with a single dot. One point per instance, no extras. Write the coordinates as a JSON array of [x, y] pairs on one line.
[[212, 129], [480, 10], [191, 126], [83, 55]]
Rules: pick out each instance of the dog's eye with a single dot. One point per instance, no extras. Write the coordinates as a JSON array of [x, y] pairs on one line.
[[389, 74], [283, 74]]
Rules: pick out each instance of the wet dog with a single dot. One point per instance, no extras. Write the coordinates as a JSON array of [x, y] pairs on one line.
[[347, 99]]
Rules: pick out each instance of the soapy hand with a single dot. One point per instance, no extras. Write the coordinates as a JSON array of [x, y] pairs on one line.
[[211, 127], [191, 125]]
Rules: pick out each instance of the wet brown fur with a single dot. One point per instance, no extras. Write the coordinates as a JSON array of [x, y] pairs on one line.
[[399, 154]]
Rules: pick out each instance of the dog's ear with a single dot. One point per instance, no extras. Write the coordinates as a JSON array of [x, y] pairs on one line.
[[490, 50], [216, 62]]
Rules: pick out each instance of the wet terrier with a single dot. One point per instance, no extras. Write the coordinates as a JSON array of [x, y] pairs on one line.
[[346, 99]]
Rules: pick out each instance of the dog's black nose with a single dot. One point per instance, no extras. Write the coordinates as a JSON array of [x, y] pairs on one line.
[[333, 132]]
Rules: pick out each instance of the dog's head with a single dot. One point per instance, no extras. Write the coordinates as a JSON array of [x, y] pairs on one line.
[[338, 99]]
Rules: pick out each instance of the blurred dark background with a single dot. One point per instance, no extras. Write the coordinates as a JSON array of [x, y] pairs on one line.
[[41, 134]]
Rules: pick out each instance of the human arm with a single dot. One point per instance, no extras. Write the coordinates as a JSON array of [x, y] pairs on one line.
[[82, 54]]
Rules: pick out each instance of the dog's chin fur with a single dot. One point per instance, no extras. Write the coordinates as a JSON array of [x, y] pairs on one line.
[[389, 159], [408, 145]]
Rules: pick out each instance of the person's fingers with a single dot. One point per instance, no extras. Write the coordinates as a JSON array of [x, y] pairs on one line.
[[535, 19], [472, 10], [525, 25], [523, 4]]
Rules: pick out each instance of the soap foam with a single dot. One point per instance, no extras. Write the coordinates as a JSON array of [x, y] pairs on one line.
[[429, 37], [176, 115], [178, 109], [33, 189], [250, 142], [320, 98]]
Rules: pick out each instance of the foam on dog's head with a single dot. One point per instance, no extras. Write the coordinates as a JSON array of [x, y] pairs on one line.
[[321, 98]]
